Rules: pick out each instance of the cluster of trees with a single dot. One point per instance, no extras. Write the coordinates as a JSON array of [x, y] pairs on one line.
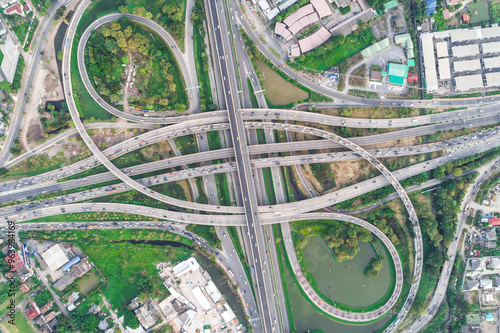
[[373, 268], [42, 5], [43, 298], [465, 164], [419, 9], [172, 18], [59, 119], [107, 51], [385, 220], [342, 238], [79, 321]]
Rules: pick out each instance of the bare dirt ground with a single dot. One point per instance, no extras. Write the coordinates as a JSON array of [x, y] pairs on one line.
[[349, 172], [411, 141], [187, 189], [312, 180], [46, 86], [161, 149], [105, 138]]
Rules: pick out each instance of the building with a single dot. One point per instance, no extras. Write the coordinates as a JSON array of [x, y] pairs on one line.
[[471, 285], [431, 7], [313, 41], [24, 288], [302, 18], [145, 317], [376, 76], [55, 257], [466, 65], [489, 317], [227, 315], [18, 262], [202, 300], [16, 8], [486, 283], [475, 265], [376, 48], [213, 291], [473, 319], [390, 5], [431, 80], [405, 41], [468, 82], [493, 221], [397, 73], [444, 69], [491, 245], [6, 3], [491, 235], [185, 266], [33, 311], [465, 17], [495, 263], [67, 266]]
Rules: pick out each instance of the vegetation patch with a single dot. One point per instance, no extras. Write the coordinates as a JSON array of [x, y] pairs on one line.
[[338, 49], [208, 233], [156, 84]]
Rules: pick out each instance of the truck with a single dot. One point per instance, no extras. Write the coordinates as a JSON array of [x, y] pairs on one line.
[[93, 226], [112, 191], [230, 273]]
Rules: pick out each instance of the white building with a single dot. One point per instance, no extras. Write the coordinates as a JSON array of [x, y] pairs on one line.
[[185, 266], [55, 257], [202, 300]]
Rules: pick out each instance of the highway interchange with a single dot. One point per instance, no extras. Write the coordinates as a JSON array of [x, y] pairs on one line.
[[235, 123]]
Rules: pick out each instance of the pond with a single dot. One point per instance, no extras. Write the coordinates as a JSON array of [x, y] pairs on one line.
[[344, 282], [88, 283], [279, 91], [307, 318]]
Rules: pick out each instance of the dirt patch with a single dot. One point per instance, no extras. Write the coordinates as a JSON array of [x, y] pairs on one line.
[[105, 138], [34, 132], [51, 83], [312, 180], [161, 149], [411, 141], [187, 189], [349, 172]]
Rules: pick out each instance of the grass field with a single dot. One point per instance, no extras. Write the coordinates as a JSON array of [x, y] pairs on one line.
[[481, 7], [495, 10], [21, 325], [322, 59], [186, 144], [222, 189], [323, 175], [3, 307], [156, 82]]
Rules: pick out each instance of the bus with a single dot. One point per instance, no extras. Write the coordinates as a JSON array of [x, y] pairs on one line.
[[230, 273], [465, 208]]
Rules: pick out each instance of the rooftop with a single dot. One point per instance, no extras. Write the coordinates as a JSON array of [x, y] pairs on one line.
[[468, 82], [390, 4], [55, 257]]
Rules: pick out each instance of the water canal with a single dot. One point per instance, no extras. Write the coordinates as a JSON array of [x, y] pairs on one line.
[[279, 91]]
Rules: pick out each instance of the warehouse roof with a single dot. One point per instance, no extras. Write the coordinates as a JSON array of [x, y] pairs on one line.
[[466, 65], [301, 12], [322, 8], [55, 257], [10, 59], [314, 40], [465, 50], [468, 82], [429, 62], [460, 35], [442, 49], [492, 79], [198, 294], [390, 5], [493, 47], [375, 48], [303, 22], [280, 29], [490, 63], [491, 32], [185, 266], [405, 41], [294, 50], [444, 68]]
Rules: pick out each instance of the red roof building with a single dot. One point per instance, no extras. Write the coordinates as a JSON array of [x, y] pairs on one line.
[[376, 76], [465, 17], [446, 14], [494, 221], [16, 8], [24, 288], [46, 307], [33, 311], [18, 263], [412, 77], [27, 8]]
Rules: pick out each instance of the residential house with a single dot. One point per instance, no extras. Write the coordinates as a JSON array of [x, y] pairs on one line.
[[471, 285], [486, 283]]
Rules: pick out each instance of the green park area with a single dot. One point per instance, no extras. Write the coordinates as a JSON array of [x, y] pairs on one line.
[[157, 83], [336, 50], [478, 11]]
